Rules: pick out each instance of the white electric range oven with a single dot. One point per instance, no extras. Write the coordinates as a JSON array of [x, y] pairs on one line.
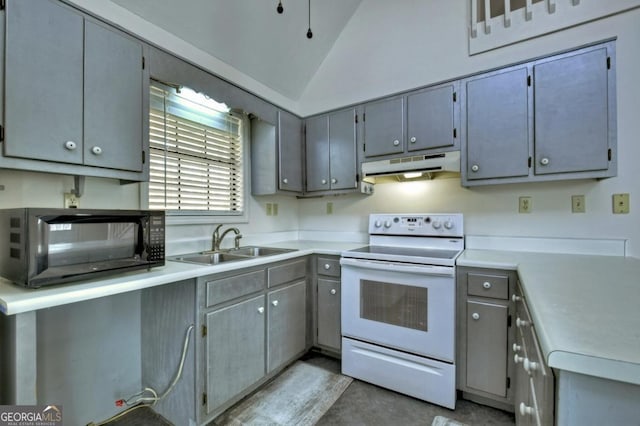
[[398, 305]]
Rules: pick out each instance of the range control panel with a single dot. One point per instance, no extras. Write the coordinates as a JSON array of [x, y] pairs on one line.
[[422, 224]]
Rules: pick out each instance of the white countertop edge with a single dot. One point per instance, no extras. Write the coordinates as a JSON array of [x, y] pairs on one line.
[[597, 367], [16, 300]]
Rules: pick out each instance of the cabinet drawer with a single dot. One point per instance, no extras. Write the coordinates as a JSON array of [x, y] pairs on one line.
[[230, 288], [329, 266], [485, 285], [285, 273]]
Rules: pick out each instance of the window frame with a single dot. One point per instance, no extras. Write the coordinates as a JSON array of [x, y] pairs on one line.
[[189, 217]]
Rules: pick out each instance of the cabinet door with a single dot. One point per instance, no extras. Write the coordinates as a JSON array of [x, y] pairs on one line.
[[498, 125], [487, 347], [572, 113], [430, 119], [342, 148], [317, 153], [290, 152], [287, 324], [113, 88], [43, 82], [384, 127], [234, 350], [329, 313]]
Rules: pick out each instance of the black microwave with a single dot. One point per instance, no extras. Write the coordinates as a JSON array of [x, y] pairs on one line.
[[40, 246]]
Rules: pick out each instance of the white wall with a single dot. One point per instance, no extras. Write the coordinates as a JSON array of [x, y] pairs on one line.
[[416, 43]]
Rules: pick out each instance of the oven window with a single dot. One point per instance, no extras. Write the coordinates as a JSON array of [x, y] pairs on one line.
[[395, 304]]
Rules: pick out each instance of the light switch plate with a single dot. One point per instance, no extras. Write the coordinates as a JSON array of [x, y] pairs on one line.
[[275, 209], [269, 209], [329, 208], [577, 204], [621, 203]]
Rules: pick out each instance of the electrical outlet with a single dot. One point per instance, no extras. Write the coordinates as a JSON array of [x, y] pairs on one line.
[[329, 208], [275, 209], [621, 203], [269, 209], [577, 204], [71, 201], [524, 205]]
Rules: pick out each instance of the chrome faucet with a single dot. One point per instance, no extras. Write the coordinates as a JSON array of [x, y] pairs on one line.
[[217, 238]]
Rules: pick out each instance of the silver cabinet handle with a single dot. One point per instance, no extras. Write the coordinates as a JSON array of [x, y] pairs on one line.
[[475, 168], [323, 181], [274, 303], [333, 291], [475, 316], [529, 366], [516, 347], [70, 145], [285, 180], [334, 180], [544, 161], [396, 142], [260, 310], [516, 298], [521, 323], [486, 285], [413, 139], [96, 150], [327, 266], [517, 358]]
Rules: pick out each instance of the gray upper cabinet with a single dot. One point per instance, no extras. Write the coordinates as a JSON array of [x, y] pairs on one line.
[[384, 127], [431, 119], [421, 121], [497, 125], [551, 119], [290, 152], [77, 97], [113, 93], [43, 82], [276, 155], [331, 151], [572, 113]]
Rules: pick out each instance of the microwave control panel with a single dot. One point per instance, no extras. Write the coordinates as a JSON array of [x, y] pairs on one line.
[[156, 237]]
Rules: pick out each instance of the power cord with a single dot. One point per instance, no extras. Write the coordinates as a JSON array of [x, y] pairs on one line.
[[138, 400]]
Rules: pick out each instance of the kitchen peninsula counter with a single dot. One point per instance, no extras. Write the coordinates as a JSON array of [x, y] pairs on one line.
[[584, 308]]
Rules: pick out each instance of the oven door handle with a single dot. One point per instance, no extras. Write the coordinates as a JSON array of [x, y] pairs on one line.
[[380, 265]]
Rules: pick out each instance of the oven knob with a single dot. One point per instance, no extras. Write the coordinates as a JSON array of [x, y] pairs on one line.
[[387, 224], [377, 224], [436, 224], [448, 224]]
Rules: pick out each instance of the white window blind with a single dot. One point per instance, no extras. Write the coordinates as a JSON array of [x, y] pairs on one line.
[[196, 156]]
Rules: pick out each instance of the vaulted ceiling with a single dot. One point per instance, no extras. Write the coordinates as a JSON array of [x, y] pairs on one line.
[[252, 37]]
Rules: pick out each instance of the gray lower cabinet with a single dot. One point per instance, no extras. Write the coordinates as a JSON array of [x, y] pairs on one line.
[[550, 119], [287, 324], [421, 121], [535, 382], [253, 322], [90, 84], [328, 329], [330, 154], [485, 369], [276, 155], [235, 350]]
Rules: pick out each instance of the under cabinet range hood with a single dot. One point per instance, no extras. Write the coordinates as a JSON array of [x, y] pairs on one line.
[[415, 167]]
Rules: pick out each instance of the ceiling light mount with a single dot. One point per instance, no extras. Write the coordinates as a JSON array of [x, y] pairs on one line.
[[309, 32]]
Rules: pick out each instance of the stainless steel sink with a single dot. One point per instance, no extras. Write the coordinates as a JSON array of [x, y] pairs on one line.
[[256, 251], [208, 258], [229, 255]]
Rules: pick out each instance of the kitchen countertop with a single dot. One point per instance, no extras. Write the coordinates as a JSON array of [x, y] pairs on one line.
[[584, 308], [16, 300]]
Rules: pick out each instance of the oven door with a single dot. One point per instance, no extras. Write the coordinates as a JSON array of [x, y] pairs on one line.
[[408, 307]]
